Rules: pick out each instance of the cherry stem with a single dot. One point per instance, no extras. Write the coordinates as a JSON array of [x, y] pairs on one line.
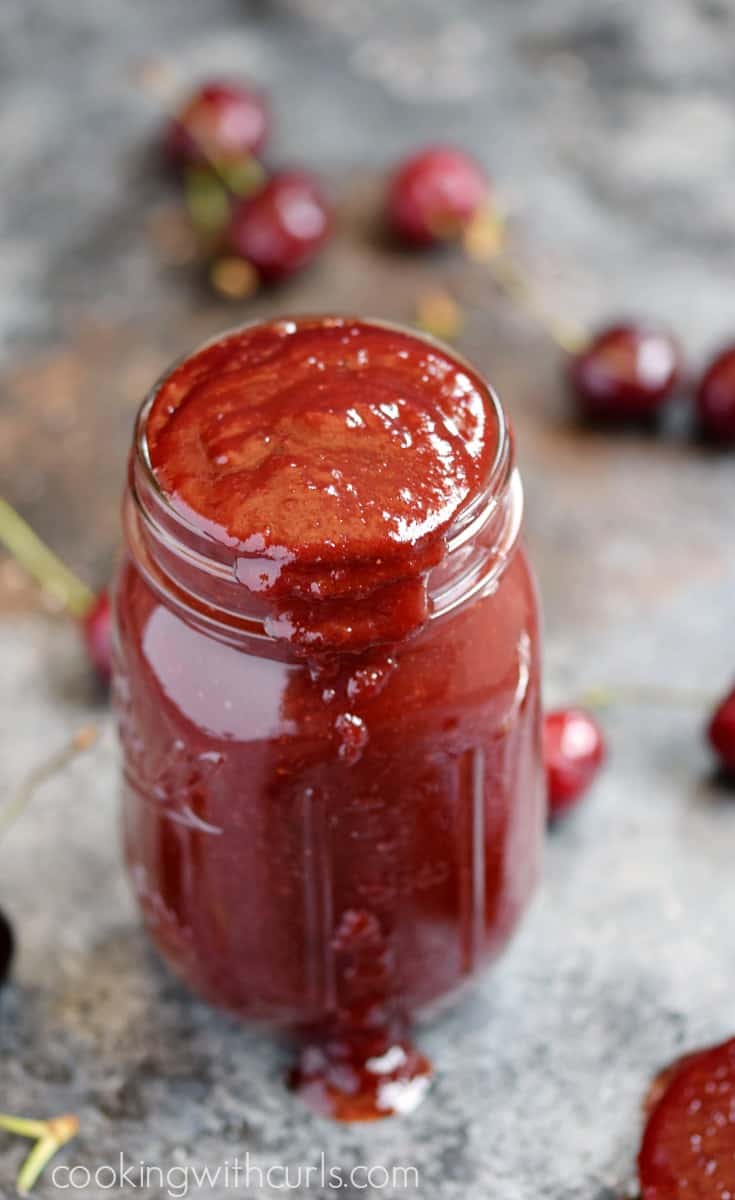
[[646, 694], [82, 741], [49, 1137], [486, 242], [42, 564], [515, 284]]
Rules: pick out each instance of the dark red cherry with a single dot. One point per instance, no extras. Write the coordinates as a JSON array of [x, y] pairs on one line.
[[97, 631], [282, 227], [434, 195], [721, 731], [574, 750], [716, 399], [626, 372], [7, 947], [220, 123]]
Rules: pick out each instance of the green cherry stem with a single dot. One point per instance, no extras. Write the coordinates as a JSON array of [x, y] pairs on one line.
[[486, 242], [514, 283], [23, 1126], [238, 180], [210, 189], [49, 1136], [41, 563]]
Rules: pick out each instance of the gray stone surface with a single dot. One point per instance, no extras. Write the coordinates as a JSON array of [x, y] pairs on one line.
[[611, 130]]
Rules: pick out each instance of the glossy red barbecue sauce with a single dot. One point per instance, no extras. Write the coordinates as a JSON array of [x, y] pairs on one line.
[[335, 455], [327, 685]]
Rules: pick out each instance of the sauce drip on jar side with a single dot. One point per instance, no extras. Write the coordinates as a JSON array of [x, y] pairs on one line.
[[332, 456]]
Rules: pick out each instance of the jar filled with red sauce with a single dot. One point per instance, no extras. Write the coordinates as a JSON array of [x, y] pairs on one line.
[[327, 685]]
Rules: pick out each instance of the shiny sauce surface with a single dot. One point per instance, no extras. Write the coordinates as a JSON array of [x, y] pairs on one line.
[[333, 456]]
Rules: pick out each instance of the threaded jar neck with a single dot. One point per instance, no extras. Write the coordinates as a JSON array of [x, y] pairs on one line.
[[209, 577]]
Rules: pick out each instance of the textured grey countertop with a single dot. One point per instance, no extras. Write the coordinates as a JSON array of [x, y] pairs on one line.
[[611, 130]]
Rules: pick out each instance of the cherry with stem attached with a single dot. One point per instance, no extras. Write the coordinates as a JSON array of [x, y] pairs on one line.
[[434, 195], [622, 373], [221, 122], [94, 615], [58, 581], [253, 227]]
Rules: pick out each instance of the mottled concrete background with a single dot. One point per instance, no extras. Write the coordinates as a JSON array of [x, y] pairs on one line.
[[610, 128]]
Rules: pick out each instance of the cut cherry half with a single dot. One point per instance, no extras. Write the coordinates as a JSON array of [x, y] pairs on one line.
[[688, 1147]]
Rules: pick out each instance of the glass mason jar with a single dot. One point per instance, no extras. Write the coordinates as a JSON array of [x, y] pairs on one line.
[[329, 847]]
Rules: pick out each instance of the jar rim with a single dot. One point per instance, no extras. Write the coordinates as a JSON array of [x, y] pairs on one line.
[[461, 528]]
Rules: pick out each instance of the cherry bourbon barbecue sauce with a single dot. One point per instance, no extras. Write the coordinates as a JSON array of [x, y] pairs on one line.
[[327, 685]]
